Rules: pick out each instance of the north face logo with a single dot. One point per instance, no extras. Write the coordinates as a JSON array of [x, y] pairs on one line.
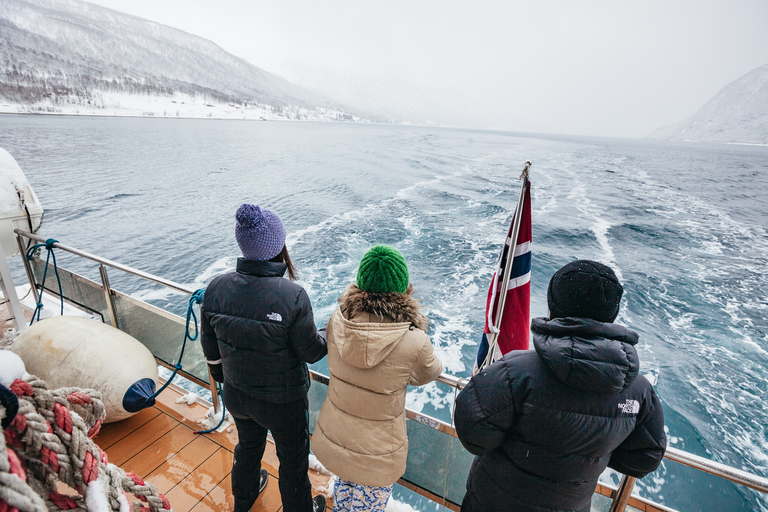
[[630, 407], [275, 316]]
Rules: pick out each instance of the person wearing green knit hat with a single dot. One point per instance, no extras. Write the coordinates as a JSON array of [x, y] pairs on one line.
[[383, 270], [377, 347]]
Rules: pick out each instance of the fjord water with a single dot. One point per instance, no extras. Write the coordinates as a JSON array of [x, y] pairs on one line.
[[683, 224]]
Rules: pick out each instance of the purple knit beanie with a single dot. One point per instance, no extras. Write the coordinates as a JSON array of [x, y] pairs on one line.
[[259, 232]]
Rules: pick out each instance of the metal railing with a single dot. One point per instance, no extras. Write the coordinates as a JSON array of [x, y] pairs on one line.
[[738, 476], [620, 497]]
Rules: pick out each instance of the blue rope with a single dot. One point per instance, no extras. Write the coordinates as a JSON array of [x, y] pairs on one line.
[[197, 298], [223, 415], [30, 253]]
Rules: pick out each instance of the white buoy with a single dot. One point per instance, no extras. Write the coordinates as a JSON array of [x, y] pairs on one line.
[[70, 351]]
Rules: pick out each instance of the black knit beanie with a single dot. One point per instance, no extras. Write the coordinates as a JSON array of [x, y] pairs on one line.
[[584, 289]]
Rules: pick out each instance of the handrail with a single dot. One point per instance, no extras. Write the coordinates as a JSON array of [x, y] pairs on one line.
[[450, 380], [455, 382], [125, 268], [735, 475], [738, 476]]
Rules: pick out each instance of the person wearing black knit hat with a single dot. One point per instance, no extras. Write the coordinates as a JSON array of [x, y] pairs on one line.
[[545, 424], [584, 289]]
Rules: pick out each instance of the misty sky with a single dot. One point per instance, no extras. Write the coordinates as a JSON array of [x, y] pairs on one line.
[[579, 67]]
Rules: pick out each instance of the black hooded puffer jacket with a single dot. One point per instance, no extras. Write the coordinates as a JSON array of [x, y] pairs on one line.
[[260, 327], [546, 424]]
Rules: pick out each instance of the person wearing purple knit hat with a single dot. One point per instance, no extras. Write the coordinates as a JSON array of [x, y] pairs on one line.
[[259, 232], [258, 333]]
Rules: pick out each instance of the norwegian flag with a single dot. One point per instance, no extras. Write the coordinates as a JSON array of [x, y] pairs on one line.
[[512, 333]]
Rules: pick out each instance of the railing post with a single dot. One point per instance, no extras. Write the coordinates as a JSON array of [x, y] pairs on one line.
[[211, 382], [9, 293], [108, 296], [621, 498], [28, 268], [214, 392]]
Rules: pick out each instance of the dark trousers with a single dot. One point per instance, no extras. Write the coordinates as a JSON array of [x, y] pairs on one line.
[[290, 429]]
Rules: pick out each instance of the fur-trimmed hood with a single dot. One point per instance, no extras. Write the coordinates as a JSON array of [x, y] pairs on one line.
[[368, 326], [389, 307]]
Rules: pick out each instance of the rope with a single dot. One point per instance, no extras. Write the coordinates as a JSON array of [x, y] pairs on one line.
[[197, 298], [23, 203], [52, 434], [223, 414], [526, 170], [15, 493], [30, 253]]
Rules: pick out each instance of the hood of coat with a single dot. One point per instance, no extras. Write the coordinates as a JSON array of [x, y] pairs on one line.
[[368, 326], [587, 354]]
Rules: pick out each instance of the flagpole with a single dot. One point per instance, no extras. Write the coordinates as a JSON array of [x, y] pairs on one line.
[[494, 334]]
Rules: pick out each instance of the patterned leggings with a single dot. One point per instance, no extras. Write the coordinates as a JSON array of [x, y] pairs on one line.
[[352, 497]]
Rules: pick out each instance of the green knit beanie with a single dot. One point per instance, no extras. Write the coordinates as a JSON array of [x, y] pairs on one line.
[[383, 270]]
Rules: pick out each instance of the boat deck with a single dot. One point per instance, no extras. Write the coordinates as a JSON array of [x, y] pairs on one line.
[[191, 470], [6, 322]]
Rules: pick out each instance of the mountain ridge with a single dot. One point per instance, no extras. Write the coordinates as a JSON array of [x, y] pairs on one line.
[[69, 52], [737, 113]]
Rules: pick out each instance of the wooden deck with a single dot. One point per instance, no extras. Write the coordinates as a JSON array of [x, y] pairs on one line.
[[6, 321], [192, 470]]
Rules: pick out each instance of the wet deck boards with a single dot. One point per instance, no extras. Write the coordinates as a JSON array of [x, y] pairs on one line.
[[192, 470]]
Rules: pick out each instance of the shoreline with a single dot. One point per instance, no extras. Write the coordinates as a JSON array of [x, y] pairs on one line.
[[140, 116], [182, 106], [113, 114], [116, 115]]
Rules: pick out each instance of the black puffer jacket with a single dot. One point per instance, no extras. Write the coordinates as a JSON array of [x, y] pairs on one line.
[[545, 424], [260, 326]]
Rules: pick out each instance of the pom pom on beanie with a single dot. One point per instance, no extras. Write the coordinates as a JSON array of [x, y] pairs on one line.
[[259, 232], [383, 270], [584, 289]]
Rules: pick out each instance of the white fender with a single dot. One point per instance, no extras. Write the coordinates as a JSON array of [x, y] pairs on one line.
[[71, 351]]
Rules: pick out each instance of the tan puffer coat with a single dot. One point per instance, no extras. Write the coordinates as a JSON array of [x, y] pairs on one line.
[[377, 346]]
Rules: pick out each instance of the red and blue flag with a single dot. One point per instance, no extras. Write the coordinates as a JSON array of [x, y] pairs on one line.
[[514, 325]]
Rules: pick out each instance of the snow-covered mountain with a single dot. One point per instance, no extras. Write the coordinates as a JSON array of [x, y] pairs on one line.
[[69, 52], [738, 113]]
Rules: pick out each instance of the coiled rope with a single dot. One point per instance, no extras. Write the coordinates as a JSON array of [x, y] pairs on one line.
[[197, 298], [30, 253], [52, 436], [15, 492]]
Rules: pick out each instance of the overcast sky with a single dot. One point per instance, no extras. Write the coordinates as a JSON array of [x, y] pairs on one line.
[[615, 68]]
